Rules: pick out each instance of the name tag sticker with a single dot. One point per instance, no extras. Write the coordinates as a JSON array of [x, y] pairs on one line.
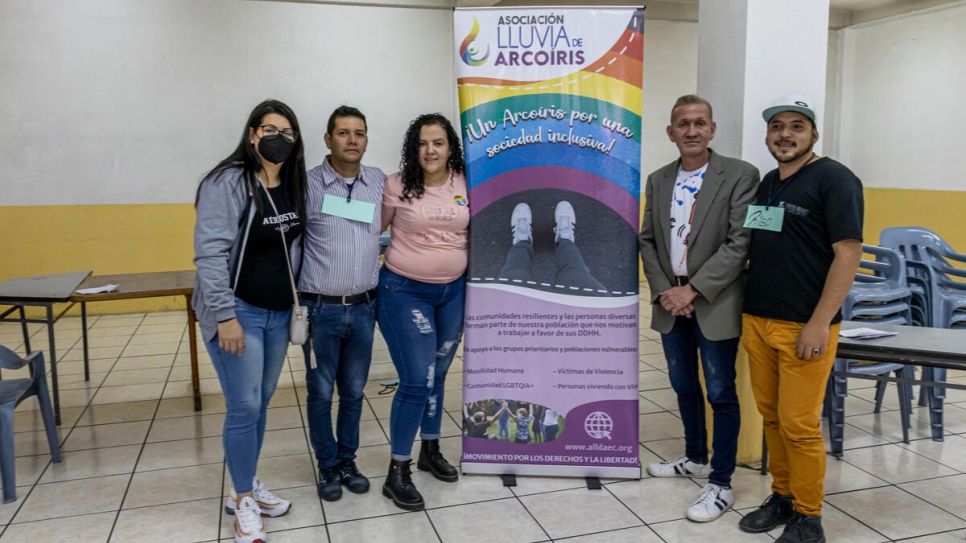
[[354, 210], [765, 218]]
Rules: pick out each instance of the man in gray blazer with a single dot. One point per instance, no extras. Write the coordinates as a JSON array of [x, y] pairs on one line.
[[694, 248]]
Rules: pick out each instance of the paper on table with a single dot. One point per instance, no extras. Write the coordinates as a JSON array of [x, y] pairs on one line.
[[865, 333], [97, 290]]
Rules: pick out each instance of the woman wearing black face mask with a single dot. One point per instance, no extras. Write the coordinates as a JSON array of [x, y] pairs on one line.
[[243, 292]]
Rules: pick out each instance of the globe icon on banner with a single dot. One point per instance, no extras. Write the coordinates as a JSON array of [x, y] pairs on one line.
[[598, 425]]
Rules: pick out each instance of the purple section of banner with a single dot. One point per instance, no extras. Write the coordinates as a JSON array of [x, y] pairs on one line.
[[555, 177], [603, 433], [521, 346]]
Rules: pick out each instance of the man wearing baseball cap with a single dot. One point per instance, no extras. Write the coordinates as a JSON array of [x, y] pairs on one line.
[[806, 245]]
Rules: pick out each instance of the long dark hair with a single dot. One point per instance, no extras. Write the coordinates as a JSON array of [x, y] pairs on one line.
[[412, 173], [292, 174]]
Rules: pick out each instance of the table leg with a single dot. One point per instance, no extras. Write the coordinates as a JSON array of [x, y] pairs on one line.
[[936, 396], [195, 379], [26, 334], [53, 362], [87, 369], [835, 394]]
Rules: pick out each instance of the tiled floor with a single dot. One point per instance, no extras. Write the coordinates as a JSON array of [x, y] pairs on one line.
[[140, 465]]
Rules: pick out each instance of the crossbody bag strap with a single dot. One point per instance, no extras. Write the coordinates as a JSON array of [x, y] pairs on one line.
[[288, 263]]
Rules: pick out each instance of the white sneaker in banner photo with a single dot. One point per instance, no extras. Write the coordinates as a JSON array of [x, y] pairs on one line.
[[679, 467], [711, 504]]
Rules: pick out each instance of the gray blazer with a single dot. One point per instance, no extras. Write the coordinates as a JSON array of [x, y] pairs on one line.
[[719, 243]]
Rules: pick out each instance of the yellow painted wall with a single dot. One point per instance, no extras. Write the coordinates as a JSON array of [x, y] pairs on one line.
[[107, 239]]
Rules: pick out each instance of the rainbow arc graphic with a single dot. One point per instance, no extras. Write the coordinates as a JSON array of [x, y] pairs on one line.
[[609, 85]]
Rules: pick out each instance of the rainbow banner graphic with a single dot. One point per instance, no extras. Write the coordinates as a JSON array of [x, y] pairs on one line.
[[550, 103]]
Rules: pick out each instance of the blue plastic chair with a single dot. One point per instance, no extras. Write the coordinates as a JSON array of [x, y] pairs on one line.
[[12, 393], [885, 285], [879, 297], [948, 295], [926, 254]]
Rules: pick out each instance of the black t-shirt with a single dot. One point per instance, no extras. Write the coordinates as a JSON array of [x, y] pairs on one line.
[[476, 429], [263, 280], [823, 205]]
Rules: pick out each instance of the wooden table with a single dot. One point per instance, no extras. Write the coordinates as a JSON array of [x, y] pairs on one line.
[[133, 286], [41, 291]]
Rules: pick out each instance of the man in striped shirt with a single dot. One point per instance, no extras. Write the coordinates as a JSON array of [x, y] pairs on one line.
[[338, 284]]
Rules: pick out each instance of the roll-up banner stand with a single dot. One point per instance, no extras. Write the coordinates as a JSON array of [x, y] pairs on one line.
[[550, 102]]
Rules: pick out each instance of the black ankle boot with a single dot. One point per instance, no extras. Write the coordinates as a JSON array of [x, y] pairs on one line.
[[431, 460], [400, 489]]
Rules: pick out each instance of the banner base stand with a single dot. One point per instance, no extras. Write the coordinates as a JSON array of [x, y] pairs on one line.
[[593, 483], [512, 470], [508, 479]]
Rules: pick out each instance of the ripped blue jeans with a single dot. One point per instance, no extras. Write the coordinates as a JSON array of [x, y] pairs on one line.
[[681, 347], [422, 324]]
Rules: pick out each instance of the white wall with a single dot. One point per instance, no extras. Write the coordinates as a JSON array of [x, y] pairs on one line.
[[903, 109], [670, 70], [122, 101]]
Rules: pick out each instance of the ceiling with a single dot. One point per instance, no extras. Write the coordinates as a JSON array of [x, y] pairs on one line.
[[842, 12]]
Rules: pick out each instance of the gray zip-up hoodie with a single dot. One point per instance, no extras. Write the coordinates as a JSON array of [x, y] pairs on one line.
[[221, 232]]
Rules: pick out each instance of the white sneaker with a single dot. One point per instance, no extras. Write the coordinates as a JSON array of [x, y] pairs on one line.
[[679, 467], [520, 222], [248, 522], [566, 219], [270, 504], [713, 501]]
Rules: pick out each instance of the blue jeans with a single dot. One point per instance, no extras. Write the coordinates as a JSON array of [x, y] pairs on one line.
[[342, 341], [422, 324], [681, 346], [503, 429], [550, 432], [248, 382], [572, 271]]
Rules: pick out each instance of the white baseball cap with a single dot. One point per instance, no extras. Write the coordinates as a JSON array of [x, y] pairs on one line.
[[790, 102]]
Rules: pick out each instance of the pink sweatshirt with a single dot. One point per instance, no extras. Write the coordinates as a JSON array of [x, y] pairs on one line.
[[429, 236]]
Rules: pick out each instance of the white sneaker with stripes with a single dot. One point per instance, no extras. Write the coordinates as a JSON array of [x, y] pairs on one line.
[[248, 522], [713, 501], [269, 504], [679, 467]]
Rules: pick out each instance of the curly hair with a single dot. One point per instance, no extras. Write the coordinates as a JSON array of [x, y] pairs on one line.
[[412, 173]]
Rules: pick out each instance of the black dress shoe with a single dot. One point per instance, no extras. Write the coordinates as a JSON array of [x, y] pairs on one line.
[[330, 484], [802, 529], [352, 479], [400, 489], [431, 460], [775, 511]]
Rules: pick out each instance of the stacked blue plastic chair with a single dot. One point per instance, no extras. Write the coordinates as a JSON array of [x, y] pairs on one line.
[[12, 392], [928, 259], [878, 295]]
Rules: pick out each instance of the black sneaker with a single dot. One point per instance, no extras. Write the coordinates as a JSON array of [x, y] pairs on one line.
[[775, 511], [352, 479], [330, 484], [802, 529]]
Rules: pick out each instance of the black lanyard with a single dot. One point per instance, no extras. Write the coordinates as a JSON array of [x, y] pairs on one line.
[[787, 182], [348, 197]]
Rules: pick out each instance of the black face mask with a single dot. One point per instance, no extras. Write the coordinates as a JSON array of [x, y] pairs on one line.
[[275, 149]]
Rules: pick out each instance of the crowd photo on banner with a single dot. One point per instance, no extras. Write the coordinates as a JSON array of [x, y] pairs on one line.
[[532, 251]]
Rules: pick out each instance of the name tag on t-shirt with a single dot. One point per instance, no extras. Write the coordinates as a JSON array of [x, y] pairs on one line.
[[765, 218], [354, 210]]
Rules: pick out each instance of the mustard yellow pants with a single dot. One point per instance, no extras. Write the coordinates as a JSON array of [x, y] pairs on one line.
[[789, 392]]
